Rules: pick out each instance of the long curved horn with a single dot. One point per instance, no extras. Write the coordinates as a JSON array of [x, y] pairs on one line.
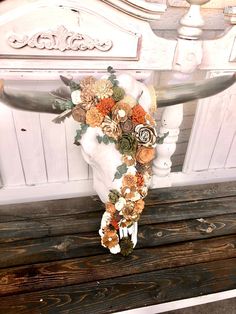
[[30, 100], [181, 93], [39, 101]]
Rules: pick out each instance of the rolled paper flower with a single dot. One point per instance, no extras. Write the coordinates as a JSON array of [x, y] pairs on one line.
[[138, 115], [87, 99], [103, 89], [93, 117], [105, 105], [127, 144], [145, 154], [127, 126], [111, 128], [118, 93], [76, 97], [110, 239], [146, 135], [79, 114], [87, 82]]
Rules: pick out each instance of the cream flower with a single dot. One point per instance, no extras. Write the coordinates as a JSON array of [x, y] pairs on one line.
[[103, 89], [120, 203], [76, 97]]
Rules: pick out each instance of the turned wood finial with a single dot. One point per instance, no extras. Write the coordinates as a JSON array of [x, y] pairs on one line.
[[192, 22]]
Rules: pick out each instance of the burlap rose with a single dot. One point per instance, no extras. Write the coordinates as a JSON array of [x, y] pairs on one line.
[[111, 128], [79, 114], [145, 155], [127, 144], [146, 135], [93, 117], [127, 126]]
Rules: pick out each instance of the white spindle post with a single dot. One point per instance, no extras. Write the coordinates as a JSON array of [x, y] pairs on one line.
[[187, 58]]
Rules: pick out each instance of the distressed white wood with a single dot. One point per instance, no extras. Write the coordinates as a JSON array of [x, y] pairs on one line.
[[212, 132], [31, 146], [10, 159], [55, 150], [77, 167]]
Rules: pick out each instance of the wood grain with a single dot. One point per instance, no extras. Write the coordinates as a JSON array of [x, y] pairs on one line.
[[87, 244], [72, 206], [62, 273], [87, 222], [128, 292]]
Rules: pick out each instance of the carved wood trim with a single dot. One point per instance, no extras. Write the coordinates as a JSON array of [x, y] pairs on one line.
[[60, 39]]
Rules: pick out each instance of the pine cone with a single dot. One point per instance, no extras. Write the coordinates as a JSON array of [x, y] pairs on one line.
[[88, 99], [126, 246], [87, 81]]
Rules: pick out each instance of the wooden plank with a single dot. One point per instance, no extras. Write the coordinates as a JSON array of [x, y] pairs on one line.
[[54, 143], [87, 244], [77, 205], [127, 292], [10, 160], [87, 222], [31, 146], [76, 271]]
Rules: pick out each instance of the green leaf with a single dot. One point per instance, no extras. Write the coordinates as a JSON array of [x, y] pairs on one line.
[[160, 139], [65, 80], [117, 176], [105, 139], [84, 127], [110, 69], [122, 168], [99, 138]]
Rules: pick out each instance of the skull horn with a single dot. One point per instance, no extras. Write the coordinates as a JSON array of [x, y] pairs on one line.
[[181, 93], [40, 101]]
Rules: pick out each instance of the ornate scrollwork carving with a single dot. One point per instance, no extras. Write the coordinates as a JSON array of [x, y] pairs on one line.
[[61, 39]]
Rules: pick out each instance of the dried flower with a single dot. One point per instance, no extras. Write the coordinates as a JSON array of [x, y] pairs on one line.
[[128, 192], [128, 160], [114, 195], [94, 117], [79, 114], [138, 115], [127, 144], [110, 208], [121, 202], [129, 213], [129, 100], [127, 126], [140, 179], [87, 81], [129, 180], [118, 93], [150, 120], [105, 105], [146, 135], [121, 112], [110, 239], [145, 154], [126, 246], [103, 89], [144, 168], [88, 99], [139, 206], [111, 128], [76, 97]]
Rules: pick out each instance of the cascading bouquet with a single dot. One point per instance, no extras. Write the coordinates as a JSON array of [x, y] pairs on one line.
[[124, 123]]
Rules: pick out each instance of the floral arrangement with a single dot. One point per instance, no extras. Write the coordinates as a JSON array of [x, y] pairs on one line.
[[103, 103]]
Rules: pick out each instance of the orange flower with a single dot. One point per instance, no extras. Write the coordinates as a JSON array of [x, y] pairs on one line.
[[94, 117], [145, 154], [150, 120], [139, 206], [115, 224], [140, 179], [128, 192], [105, 105], [129, 180], [138, 115], [128, 160], [110, 239], [110, 208]]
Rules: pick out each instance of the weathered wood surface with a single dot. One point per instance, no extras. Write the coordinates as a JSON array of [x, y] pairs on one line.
[[127, 292], [87, 244], [74, 271], [87, 222], [86, 204]]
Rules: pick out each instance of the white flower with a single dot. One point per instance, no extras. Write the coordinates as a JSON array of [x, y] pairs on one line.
[[120, 203], [115, 249], [136, 197], [75, 97]]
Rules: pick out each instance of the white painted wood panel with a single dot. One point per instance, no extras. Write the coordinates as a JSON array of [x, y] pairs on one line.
[[31, 147], [10, 160], [231, 158], [55, 151], [226, 134]]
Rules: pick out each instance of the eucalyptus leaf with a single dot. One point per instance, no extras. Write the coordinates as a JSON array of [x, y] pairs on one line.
[[160, 139], [105, 139]]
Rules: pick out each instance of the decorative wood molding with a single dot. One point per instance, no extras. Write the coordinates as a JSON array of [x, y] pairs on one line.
[[233, 52], [60, 39], [230, 14]]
